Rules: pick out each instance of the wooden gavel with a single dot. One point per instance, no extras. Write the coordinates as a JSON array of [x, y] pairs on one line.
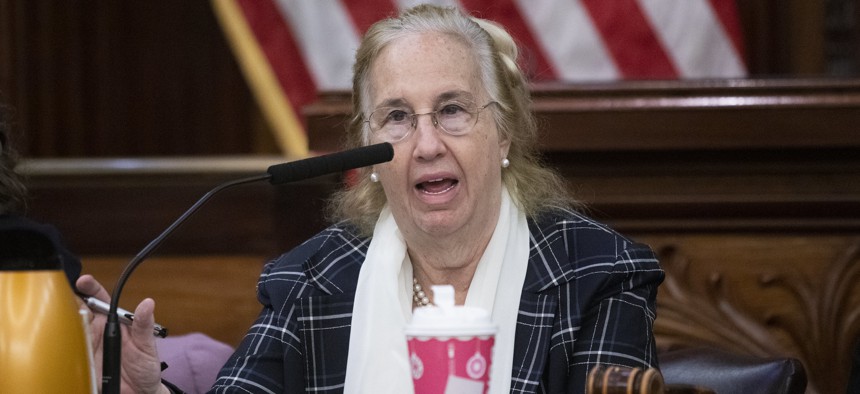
[[613, 379]]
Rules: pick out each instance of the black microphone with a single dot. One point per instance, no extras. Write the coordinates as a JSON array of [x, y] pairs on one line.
[[276, 174], [335, 162]]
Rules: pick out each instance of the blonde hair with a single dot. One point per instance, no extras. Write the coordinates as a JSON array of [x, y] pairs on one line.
[[534, 187]]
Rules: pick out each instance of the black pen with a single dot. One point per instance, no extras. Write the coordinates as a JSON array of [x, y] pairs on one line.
[[125, 316]]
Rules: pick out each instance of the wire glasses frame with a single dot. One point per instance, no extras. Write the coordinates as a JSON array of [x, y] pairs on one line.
[[392, 124]]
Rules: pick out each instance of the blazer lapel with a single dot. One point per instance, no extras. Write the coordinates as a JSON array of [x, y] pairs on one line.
[[326, 317], [548, 269]]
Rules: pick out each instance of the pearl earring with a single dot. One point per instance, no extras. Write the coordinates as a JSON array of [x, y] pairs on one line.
[[374, 177], [506, 163]]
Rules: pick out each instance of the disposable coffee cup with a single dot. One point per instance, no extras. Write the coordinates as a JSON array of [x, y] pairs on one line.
[[450, 347]]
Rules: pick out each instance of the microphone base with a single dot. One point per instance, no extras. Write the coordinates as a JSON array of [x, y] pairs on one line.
[[112, 362]]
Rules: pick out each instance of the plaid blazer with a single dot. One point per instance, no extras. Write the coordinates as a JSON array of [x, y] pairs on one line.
[[588, 298]]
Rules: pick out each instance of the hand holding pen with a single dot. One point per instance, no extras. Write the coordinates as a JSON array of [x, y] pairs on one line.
[[125, 317], [140, 366]]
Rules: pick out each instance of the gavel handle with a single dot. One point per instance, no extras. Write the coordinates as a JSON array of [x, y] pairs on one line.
[[604, 379]]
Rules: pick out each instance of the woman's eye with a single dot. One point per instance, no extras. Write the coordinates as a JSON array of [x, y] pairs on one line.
[[397, 116], [451, 109]]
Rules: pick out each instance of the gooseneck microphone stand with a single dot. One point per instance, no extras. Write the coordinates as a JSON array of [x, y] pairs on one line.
[[276, 174], [112, 348]]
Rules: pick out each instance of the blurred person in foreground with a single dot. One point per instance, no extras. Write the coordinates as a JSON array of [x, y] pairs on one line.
[[31, 240], [465, 202]]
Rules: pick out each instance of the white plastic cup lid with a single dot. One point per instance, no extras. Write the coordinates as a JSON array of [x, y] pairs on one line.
[[447, 319]]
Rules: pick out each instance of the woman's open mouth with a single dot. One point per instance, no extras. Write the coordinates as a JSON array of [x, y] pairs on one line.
[[437, 186]]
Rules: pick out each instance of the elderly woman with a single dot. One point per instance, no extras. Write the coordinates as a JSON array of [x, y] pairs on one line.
[[465, 202]]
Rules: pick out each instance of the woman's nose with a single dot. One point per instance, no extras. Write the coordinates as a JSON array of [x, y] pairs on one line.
[[428, 144]]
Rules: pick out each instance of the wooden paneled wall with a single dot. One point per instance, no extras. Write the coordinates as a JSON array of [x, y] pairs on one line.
[[124, 79]]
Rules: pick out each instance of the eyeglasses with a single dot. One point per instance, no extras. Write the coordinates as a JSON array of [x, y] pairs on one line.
[[394, 124]]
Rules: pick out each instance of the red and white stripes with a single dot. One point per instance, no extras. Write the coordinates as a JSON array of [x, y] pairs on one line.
[[309, 44]]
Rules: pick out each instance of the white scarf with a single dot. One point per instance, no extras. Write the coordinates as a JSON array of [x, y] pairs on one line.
[[377, 360]]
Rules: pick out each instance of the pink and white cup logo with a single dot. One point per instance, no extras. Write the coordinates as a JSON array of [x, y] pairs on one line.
[[450, 347]]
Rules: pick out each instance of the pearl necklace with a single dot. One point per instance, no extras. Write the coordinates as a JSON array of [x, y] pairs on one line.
[[419, 297]]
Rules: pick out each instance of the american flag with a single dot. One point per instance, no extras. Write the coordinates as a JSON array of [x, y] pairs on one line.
[[290, 50]]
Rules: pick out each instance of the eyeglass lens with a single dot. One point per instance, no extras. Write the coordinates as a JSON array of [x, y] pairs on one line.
[[394, 124]]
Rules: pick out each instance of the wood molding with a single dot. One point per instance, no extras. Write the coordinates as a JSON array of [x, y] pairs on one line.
[[756, 299], [706, 115], [117, 206]]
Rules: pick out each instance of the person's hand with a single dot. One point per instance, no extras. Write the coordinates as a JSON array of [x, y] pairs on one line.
[[141, 368]]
